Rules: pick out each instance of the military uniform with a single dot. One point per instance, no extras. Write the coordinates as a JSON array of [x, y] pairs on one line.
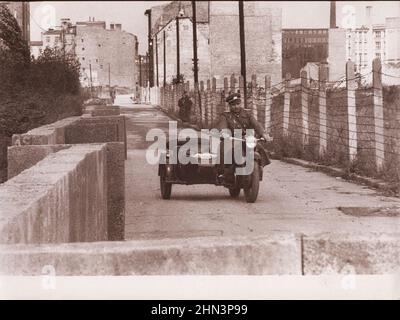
[[238, 119], [242, 120]]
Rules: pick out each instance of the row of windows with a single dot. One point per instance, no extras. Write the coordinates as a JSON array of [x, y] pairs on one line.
[[305, 40], [306, 31]]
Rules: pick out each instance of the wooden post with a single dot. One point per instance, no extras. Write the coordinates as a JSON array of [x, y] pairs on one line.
[[208, 103], [241, 89], [351, 110], [286, 104], [232, 83], [202, 104], [378, 113], [304, 107], [226, 93], [253, 96], [214, 98], [323, 76], [268, 103]]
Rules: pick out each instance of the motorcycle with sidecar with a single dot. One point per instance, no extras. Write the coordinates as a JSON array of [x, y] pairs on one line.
[[204, 170]]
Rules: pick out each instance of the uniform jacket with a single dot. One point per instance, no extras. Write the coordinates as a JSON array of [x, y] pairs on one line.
[[242, 120]]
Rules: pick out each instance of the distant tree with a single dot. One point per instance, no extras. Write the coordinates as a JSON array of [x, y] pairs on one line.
[[11, 40]]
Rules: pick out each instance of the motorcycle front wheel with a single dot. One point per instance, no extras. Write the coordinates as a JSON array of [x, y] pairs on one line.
[[252, 184], [165, 188]]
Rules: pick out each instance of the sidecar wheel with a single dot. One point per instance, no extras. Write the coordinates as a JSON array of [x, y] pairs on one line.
[[252, 184], [165, 188]]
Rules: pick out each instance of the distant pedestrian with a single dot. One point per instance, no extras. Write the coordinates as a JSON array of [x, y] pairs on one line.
[[185, 107], [112, 95]]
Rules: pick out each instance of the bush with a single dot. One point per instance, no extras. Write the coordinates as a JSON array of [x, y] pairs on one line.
[[33, 92]]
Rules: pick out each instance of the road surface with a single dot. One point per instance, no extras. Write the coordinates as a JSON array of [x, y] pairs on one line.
[[291, 198]]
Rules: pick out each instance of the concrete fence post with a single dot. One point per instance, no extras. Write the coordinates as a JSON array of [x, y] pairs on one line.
[[214, 98], [286, 104], [202, 104], [351, 109], [268, 103], [208, 103], [304, 107], [323, 75], [226, 93], [232, 83], [253, 97], [241, 89], [378, 113]]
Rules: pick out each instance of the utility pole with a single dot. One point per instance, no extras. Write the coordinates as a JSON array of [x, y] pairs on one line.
[[178, 71], [165, 61], [91, 83], [157, 61], [242, 51], [150, 49], [195, 60], [109, 77], [140, 71]]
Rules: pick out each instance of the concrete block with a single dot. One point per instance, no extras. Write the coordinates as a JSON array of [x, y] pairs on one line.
[[97, 130], [273, 254], [63, 198], [351, 253], [116, 190], [21, 158], [49, 134]]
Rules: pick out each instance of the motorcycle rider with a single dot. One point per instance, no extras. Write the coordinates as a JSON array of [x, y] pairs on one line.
[[239, 118]]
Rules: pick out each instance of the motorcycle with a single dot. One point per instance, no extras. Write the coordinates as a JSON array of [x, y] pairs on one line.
[[204, 170]]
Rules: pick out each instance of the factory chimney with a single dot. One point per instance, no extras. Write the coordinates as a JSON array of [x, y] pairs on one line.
[[333, 15]]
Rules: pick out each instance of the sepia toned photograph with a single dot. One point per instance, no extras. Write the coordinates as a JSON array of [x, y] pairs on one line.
[[258, 140]]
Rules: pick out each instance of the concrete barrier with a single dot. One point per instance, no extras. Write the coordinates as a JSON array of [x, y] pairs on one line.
[[96, 130], [21, 158], [102, 111], [267, 255], [63, 198], [351, 254], [76, 130], [49, 134], [25, 157], [33, 146]]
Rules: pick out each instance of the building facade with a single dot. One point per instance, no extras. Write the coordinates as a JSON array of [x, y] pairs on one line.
[[301, 46], [62, 38], [365, 43], [21, 12], [218, 40], [107, 56]]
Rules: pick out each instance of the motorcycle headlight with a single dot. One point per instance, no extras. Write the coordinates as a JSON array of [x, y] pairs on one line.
[[251, 142]]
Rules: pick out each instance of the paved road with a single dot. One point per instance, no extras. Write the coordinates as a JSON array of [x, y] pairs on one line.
[[291, 198]]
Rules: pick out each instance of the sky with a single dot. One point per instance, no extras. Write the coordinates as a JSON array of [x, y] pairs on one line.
[[295, 14]]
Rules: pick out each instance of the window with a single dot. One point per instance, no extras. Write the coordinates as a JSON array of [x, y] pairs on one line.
[[82, 40], [83, 58], [378, 55], [99, 45], [378, 34], [83, 49], [47, 39], [377, 45]]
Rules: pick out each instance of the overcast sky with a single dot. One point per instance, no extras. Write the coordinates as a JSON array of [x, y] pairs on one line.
[[131, 14]]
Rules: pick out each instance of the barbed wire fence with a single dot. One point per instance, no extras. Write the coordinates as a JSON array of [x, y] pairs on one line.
[[344, 123]]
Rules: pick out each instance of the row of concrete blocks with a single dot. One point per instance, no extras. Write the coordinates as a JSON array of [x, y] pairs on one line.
[[274, 254], [66, 182]]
